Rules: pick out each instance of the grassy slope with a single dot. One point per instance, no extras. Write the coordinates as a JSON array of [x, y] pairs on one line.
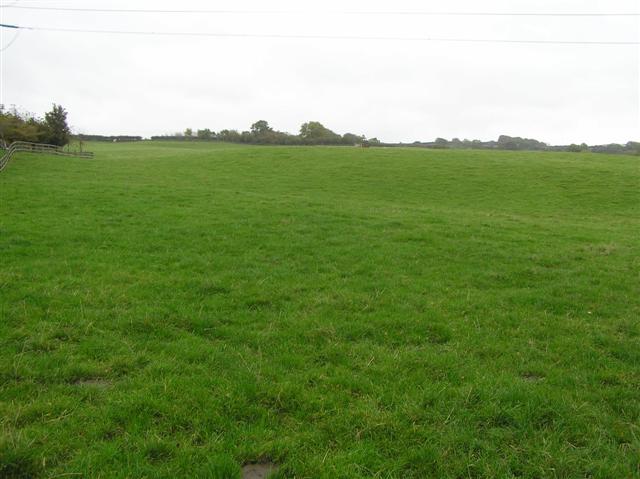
[[342, 312]]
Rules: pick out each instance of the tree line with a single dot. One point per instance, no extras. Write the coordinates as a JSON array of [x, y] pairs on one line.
[[517, 143], [112, 138], [314, 133], [17, 126], [261, 133], [53, 129]]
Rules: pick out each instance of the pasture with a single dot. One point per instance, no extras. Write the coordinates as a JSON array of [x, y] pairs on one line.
[[185, 309]]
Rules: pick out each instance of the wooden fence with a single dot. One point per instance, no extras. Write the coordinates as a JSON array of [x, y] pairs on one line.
[[28, 147]]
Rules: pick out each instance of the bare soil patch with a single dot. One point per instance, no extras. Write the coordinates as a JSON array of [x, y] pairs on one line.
[[258, 471]]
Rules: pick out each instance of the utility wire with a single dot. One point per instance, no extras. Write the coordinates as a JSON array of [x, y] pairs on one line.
[[12, 41], [323, 37], [314, 12]]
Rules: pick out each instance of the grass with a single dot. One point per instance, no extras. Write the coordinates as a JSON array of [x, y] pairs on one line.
[[180, 310]]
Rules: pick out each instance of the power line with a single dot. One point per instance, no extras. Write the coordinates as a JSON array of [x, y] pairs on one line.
[[344, 12], [12, 41], [323, 37]]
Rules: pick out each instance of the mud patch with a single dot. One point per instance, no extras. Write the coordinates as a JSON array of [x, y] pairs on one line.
[[532, 377], [258, 471]]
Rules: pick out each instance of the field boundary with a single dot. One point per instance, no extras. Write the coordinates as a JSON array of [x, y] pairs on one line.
[[29, 147]]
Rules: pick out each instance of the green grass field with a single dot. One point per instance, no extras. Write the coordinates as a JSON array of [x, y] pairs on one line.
[[183, 309]]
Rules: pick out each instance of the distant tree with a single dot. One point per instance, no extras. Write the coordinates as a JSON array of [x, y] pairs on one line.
[[231, 136], [507, 143], [7, 127], [441, 143], [351, 139], [36, 130], [574, 148], [188, 133], [205, 134], [288, 139], [15, 126], [262, 133], [117, 138], [611, 148], [315, 133], [516, 143], [457, 143], [58, 132], [260, 127], [633, 147]]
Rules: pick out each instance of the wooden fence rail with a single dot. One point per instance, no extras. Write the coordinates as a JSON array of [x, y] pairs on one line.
[[28, 147]]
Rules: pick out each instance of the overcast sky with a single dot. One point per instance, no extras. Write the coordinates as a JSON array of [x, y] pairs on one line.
[[393, 90]]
